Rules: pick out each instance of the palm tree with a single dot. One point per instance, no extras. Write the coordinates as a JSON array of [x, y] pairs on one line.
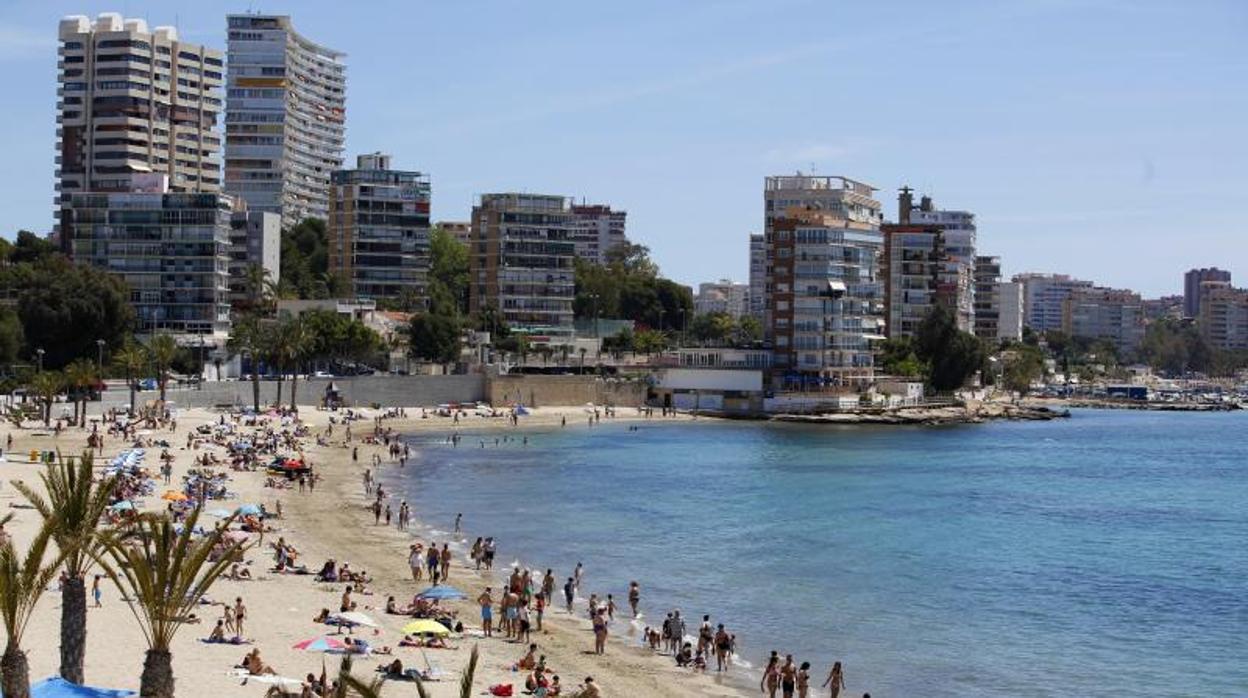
[[261, 289], [163, 575], [297, 340], [131, 359], [249, 337], [46, 386], [351, 687], [465, 679], [22, 582], [74, 507], [80, 375], [164, 350]]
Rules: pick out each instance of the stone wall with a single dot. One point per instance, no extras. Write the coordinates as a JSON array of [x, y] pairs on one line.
[[554, 391], [387, 391]]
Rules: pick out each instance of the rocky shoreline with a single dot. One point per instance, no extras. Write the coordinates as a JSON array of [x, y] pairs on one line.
[[931, 416]]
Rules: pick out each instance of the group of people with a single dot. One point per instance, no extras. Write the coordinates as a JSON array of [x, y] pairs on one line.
[[794, 680]]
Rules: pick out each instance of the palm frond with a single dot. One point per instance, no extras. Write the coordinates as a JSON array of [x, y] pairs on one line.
[[76, 505], [23, 580], [470, 671]]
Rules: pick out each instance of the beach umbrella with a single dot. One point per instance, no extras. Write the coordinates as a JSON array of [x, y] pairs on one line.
[[321, 644], [56, 687], [425, 626], [174, 496], [123, 505], [248, 510], [352, 618], [441, 592], [220, 513]]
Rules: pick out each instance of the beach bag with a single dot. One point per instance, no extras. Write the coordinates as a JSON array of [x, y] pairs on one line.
[[502, 689]]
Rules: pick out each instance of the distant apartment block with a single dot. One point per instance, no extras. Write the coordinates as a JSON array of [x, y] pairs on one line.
[[929, 260], [598, 230], [987, 278], [723, 296], [1165, 307], [171, 249], [1044, 296], [379, 229], [134, 102], [824, 294], [460, 230], [758, 277], [1105, 313], [1223, 317], [255, 240], [1192, 282], [521, 262], [285, 117], [1009, 297]]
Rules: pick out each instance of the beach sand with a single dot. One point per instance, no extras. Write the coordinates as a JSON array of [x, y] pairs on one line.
[[333, 521]]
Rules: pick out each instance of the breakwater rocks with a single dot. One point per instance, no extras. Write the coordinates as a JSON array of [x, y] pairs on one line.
[[971, 414], [1156, 406]]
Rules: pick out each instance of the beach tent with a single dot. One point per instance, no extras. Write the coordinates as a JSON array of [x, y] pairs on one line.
[[56, 687]]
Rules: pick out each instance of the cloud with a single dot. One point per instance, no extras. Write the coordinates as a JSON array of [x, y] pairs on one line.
[[17, 42]]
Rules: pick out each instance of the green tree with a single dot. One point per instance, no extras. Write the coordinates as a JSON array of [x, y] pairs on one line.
[[448, 274], [64, 308], [434, 337], [1175, 347], [22, 583], [163, 574], [46, 385], [73, 508], [29, 248], [80, 377], [749, 330], [164, 351], [12, 337], [952, 356], [1022, 365], [305, 260], [262, 291], [249, 338], [650, 341], [132, 361]]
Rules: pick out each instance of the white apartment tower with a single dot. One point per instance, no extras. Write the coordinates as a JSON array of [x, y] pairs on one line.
[[133, 102], [285, 117]]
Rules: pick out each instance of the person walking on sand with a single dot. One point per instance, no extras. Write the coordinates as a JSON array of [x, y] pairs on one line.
[[95, 590], [431, 561], [634, 596], [240, 614], [788, 676], [836, 680], [569, 593], [548, 585], [771, 676], [477, 552], [803, 680], [723, 645], [416, 561], [600, 632], [446, 561], [487, 612]]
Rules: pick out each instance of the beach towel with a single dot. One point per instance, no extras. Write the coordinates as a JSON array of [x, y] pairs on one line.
[[502, 689]]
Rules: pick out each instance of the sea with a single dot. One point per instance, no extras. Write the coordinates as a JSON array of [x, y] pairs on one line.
[[1105, 554]]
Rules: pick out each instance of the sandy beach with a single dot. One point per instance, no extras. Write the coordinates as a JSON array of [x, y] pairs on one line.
[[333, 521]]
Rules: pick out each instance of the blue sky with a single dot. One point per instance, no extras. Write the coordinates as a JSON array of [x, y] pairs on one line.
[[1106, 139]]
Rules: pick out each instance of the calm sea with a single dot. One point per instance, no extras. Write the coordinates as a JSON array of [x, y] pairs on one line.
[[1102, 555]]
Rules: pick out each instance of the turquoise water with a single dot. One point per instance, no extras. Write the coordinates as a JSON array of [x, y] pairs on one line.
[[1102, 555]]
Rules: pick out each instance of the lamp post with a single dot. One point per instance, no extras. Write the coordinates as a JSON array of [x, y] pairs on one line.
[[99, 356], [39, 356]]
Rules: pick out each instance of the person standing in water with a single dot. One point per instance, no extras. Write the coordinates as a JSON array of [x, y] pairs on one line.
[[836, 680], [458, 518]]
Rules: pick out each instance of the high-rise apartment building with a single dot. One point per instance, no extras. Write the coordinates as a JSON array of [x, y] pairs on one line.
[[598, 231], [758, 277], [285, 117], [1105, 313], [379, 229], [255, 241], [1165, 307], [929, 260], [460, 230], [1223, 317], [1009, 311], [521, 262], [1043, 299], [171, 249], [1192, 281], [987, 297], [824, 296], [723, 296], [134, 102]]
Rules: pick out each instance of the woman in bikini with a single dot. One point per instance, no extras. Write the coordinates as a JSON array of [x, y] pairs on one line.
[[771, 676], [836, 680]]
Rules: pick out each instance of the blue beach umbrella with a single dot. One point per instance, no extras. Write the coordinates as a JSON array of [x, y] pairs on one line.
[[441, 592], [248, 510], [123, 505], [56, 687], [220, 513]]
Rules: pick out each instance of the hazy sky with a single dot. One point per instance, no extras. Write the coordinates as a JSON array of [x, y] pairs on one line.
[[1106, 139]]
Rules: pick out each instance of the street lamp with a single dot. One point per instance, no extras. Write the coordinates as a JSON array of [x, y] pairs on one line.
[[39, 356], [99, 357]]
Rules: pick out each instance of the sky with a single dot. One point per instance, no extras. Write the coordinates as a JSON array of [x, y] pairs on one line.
[[1107, 139]]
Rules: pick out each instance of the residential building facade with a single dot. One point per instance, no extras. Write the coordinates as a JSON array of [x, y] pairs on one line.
[[598, 230], [1105, 313], [171, 249], [1223, 317], [824, 293], [723, 296], [1044, 296], [758, 277], [929, 260], [1165, 307], [379, 229], [1009, 297], [521, 262], [1192, 281], [987, 297], [285, 122], [134, 102], [460, 230], [255, 240]]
